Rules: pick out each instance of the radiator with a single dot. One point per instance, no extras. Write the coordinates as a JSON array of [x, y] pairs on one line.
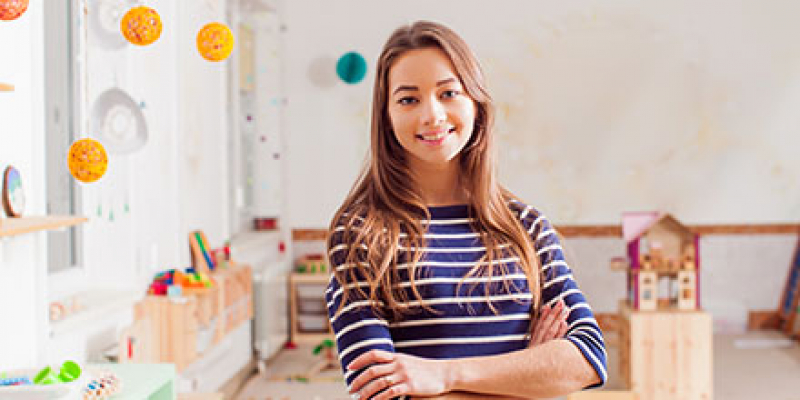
[[271, 267]]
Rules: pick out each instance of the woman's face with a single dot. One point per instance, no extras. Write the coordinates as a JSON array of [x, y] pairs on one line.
[[431, 114]]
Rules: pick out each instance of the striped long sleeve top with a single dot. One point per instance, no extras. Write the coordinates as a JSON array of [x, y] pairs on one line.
[[464, 325]]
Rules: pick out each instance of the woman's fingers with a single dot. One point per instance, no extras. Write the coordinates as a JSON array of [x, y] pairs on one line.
[[389, 386], [376, 373], [562, 329], [369, 358], [551, 323]]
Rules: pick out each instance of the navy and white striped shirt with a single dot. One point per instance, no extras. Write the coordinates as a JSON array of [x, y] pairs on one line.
[[465, 325]]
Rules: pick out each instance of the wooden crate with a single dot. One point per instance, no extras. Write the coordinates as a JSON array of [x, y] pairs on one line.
[[667, 355], [180, 330], [173, 330], [236, 282]]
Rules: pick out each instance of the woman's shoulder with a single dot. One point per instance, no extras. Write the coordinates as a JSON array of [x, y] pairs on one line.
[[522, 210]]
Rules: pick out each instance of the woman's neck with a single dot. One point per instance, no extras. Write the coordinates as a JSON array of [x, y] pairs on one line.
[[439, 184]]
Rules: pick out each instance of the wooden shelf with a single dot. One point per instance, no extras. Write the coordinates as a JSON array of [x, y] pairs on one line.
[[6, 87], [18, 226], [298, 335]]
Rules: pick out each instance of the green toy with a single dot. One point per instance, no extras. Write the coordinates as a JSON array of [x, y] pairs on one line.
[[69, 372]]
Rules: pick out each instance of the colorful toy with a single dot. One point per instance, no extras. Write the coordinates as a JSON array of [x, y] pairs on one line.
[[351, 68], [12, 9], [69, 372], [660, 247], [87, 160], [103, 386], [141, 25], [13, 196], [173, 282], [201, 258], [789, 308], [15, 381], [215, 41], [329, 360], [312, 264]]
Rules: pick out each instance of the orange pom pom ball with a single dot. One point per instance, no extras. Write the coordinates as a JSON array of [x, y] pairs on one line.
[[87, 160], [141, 25], [215, 42], [12, 9]]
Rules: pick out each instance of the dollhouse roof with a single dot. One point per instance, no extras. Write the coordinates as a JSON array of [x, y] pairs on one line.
[[636, 224]]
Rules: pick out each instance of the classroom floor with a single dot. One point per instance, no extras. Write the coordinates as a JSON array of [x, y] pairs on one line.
[[746, 366]]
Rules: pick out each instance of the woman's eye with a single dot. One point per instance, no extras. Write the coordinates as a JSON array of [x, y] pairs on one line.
[[447, 94], [407, 100]]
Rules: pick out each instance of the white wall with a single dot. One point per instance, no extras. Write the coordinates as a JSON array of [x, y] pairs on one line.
[[603, 107], [22, 266]]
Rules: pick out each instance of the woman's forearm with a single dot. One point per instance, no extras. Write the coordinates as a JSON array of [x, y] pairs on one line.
[[552, 369], [467, 396]]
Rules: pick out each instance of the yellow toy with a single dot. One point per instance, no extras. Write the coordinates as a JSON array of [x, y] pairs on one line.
[[215, 42], [12, 9], [87, 160], [141, 25]]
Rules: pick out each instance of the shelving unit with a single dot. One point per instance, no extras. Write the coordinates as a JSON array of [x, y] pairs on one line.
[[22, 225], [307, 310]]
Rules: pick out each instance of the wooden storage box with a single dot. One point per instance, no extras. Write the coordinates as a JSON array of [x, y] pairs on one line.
[[236, 283], [180, 330], [666, 355]]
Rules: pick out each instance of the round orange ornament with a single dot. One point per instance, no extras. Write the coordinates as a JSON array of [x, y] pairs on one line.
[[215, 42], [141, 25], [12, 9], [87, 160]]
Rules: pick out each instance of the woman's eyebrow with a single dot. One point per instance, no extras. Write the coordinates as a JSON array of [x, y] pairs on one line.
[[415, 88]]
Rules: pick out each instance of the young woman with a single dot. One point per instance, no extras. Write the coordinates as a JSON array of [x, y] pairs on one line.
[[445, 283]]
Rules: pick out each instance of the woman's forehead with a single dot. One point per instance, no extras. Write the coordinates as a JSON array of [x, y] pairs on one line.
[[427, 67]]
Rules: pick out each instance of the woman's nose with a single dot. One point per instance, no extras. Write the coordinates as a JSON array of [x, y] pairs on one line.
[[433, 113]]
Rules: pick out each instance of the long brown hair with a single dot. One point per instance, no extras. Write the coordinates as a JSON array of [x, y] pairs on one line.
[[385, 202]]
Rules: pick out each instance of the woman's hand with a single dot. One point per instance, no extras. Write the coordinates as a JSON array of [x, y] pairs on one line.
[[551, 324], [392, 375]]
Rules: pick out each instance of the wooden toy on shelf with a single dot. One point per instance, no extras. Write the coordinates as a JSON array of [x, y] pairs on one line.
[[660, 248], [13, 195], [201, 257], [312, 264]]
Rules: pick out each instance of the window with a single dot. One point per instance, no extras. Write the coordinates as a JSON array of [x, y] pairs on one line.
[[62, 122]]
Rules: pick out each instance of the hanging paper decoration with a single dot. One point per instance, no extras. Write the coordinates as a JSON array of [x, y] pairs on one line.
[[87, 160], [141, 25], [351, 68], [215, 42], [13, 196], [12, 9]]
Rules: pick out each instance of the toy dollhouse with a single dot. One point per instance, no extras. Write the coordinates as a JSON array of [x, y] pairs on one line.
[[661, 249]]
